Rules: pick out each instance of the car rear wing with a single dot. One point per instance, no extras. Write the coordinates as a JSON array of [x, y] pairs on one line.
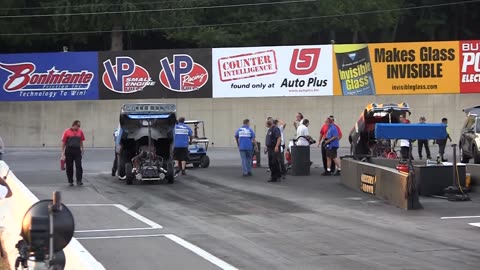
[[149, 108], [475, 110]]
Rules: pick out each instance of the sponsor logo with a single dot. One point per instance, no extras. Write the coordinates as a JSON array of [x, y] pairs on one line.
[[24, 78], [183, 75], [304, 61], [125, 76], [470, 62], [247, 65]]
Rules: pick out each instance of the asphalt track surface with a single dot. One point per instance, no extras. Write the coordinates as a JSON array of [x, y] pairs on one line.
[[215, 219]]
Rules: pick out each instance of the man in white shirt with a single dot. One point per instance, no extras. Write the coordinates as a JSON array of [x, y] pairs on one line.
[[5, 191], [298, 120], [302, 130]]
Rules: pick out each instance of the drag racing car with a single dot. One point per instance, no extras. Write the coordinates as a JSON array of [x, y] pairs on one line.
[[146, 141], [362, 136], [197, 151]]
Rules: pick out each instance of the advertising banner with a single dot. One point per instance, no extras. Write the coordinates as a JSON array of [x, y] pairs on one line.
[[49, 76], [272, 71], [155, 74], [470, 66], [397, 68]]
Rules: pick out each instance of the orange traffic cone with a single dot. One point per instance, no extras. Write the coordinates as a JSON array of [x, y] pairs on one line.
[[254, 161]]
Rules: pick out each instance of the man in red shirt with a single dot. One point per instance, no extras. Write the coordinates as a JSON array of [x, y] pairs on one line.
[[321, 143], [72, 151]]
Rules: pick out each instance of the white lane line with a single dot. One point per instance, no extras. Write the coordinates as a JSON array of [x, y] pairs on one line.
[[114, 230], [474, 224], [119, 236], [90, 204], [133, 214], [200, 252], [460, 217], [139, 217]]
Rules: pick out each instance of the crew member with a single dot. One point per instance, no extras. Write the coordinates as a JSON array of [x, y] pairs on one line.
[[5, 191], [423, 143], [321, 143], [405, 151], [116, 132], [298, 120], [332, 144], [183, 137], [442, 143], [245, 138], [281, 126], [72, 151], [272, 142]]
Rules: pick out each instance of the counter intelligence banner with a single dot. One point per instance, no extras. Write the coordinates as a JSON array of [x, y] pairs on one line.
[[397, 68]]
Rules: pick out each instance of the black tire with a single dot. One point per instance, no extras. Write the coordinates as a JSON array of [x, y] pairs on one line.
[[170, 173], [463, 158], [196, 165], [128, 173], [205, 161], [121, 166], [476, 155]]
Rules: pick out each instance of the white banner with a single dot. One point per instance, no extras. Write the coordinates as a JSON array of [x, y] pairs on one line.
[[272, 71]]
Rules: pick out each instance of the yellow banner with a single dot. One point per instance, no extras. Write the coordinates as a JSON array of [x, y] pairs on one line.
[[396, 68]]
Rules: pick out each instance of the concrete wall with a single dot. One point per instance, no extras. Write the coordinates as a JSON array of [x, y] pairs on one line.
[[32, 124]]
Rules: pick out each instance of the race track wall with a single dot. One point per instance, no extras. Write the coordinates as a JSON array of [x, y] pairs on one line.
[[41, 123]]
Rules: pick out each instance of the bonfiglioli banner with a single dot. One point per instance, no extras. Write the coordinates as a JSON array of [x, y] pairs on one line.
[[272, 71]]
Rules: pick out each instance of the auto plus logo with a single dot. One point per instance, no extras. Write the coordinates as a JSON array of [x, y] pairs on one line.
[[305, 62], [125, 76], [24, 78], [183, 75]]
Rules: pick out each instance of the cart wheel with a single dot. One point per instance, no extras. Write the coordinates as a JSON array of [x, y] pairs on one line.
[[129, 173], [205, 161]]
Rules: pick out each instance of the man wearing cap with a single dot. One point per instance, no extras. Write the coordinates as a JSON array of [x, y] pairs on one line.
[[245, 138], [321, 143], [423, 143], [332, 144]]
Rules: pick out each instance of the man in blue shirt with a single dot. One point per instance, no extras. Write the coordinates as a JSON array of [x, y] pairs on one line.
[[332, 144], [245, 138], [183, 137]]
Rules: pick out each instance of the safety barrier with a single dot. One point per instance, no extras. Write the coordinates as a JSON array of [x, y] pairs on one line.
[[12, 211], [384, 183]]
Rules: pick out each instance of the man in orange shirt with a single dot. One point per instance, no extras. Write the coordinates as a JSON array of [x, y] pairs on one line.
[[72, 151], [321, 143]]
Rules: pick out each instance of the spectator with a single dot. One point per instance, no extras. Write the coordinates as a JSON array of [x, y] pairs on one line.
[[442, 143], [72, 151], [405, 150], [298, 120], [272, 142], [303, 135], [5, 191], [423, 143], [321, 143], [245, 138], [2, 148], [332, 144], [183, 137], [281, 125]]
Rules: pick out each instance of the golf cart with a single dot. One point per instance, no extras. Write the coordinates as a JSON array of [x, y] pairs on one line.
[[146, 142], [362, 136], [197, 151]]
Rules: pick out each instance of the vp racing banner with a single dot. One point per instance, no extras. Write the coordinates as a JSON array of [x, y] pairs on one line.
[[49, 76]]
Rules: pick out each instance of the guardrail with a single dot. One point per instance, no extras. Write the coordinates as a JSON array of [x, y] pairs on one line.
[[12, 211]]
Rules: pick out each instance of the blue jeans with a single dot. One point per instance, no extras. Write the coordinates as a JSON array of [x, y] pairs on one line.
[[246, 156]]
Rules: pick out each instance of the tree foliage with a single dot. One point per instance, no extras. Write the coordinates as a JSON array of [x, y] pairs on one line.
[[142, 24]]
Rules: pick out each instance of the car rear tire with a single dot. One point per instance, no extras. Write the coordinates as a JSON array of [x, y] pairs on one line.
[[121, 166], [170, 173], [196, 165], [463, 157], [476, 155], [129, 173], [205, 161]]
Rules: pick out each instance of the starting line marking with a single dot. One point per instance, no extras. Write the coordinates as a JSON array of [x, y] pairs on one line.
[[200, 252], [460, 217], [474, 224], [152, 224]]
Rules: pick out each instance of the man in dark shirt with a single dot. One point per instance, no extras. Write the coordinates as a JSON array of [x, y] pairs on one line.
[[272, 142], [72, 151]]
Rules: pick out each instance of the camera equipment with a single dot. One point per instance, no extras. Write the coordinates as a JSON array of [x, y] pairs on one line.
[[47, 228]]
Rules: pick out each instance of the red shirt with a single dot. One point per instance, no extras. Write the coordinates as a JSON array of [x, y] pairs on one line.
[[324, 130], [72, 138]]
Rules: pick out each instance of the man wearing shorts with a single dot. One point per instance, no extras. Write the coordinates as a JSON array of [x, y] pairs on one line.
[[183, 138], [332, 144]]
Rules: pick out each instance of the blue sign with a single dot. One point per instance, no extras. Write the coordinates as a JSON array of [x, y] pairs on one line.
[[49, 76]]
